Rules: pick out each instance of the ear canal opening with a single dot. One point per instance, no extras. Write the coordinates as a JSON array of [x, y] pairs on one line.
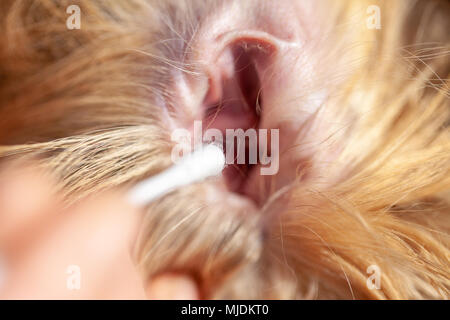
[[248, 79], [234, 99], [237, 106]]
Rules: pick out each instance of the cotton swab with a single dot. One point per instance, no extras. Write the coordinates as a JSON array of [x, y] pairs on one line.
[[208, 161]]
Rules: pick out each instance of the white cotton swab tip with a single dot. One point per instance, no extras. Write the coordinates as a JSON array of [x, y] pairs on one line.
[[205, 162]]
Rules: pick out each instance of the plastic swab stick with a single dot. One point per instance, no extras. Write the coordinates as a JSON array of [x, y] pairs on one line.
[[206, 162]]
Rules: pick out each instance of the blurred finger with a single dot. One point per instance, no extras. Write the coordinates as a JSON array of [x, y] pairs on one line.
[[172, 287], [84, 254], [26, 198]]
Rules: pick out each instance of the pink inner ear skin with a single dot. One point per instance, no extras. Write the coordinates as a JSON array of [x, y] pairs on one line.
[[235, 85], [254, 75], [234, 99]]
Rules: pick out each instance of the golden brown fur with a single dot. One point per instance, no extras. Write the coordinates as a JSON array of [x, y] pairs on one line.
[[82, 101]]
